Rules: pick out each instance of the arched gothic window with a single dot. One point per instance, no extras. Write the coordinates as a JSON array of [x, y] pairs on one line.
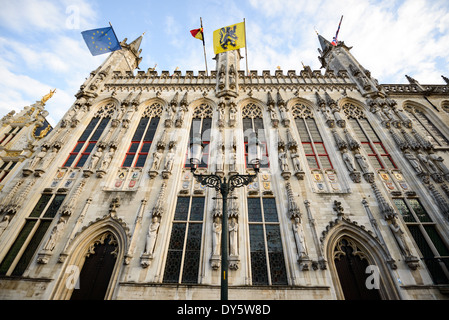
[[434, 249], [184, 249], [143, 137], [91, 135], [33, 231], [370, 141], [424, 125], [267, 255], [312, 142], [201, 125], [253, 122]]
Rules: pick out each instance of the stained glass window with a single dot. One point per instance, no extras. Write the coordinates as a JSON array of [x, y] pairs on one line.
[[184, 250], [313, 145], [374, 148], [87, 142], [253, 122], [267, 255], [201, 125], [434, 250], [36, 225], [141, 142]]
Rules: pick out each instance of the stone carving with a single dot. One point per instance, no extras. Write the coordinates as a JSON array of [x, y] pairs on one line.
[[153, 229]]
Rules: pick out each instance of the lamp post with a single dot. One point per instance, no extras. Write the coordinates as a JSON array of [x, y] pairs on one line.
[[224, 187]]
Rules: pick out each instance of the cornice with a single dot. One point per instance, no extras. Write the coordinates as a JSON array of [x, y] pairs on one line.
[[411, 89]]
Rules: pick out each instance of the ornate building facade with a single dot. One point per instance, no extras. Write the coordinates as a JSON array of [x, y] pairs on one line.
[[351, 200]]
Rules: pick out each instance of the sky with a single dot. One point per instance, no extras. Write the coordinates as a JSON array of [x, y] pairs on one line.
[[41, 47]]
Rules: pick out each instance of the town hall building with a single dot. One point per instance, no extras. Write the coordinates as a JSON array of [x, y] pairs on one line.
[[349, 198]]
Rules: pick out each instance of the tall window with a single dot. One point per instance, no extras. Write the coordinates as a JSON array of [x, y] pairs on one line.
[[184, 249], [6, 168], [434, 250], [312, 142], [253, 122], [9, 135], [424, 125], [143, 137], [377, 153], [36, 225], [91, 135], [267, 255], [201, 125]]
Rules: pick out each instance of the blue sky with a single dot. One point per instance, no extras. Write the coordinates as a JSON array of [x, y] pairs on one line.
[[41, 47]]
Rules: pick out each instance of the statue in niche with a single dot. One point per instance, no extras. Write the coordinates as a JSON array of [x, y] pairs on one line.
[[4, 224], [361, 160], [221, 76], [95, 158], [107, 159], [399, 235], [232, 113], [221, 115], [283, 161], [296, 162], [156, 161], [55, 235], [233, 162], [233, 236], [169, 160], [38, 157], [46, 161], [413, 161], [232, 77], [152, 235], [438, 160], [299, 238], [216, 240], [348, 160], [220, 158]]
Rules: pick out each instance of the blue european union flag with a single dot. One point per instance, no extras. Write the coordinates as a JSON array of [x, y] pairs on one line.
[[102, 40]]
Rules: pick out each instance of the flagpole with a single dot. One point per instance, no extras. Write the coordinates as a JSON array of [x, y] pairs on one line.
[[204, 47], [246, 50]]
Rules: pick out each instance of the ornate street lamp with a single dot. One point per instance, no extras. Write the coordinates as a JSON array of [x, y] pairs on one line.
[[224, 187]]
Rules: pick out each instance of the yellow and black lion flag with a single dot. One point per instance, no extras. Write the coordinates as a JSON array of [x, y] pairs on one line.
[[229, 38]]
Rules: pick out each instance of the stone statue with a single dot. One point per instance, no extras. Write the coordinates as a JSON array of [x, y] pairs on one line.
[[4, 224], [95, 158], [233, 238], [55, 235], [399, 235], [216, 240], [296, 162], [156, 161], [299, 238], [283, 161], [414, 162], [107, 160], [152, 235], [348, 160], [169, 160], [38, 157]]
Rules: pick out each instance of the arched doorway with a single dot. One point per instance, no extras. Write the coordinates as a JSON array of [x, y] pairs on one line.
[[351, 264], [97, 269]]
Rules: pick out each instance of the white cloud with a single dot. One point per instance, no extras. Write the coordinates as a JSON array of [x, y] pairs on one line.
[[55, 59], [30, 15], [390, 38]]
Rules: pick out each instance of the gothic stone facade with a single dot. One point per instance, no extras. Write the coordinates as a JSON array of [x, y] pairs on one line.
[[351, 200]]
